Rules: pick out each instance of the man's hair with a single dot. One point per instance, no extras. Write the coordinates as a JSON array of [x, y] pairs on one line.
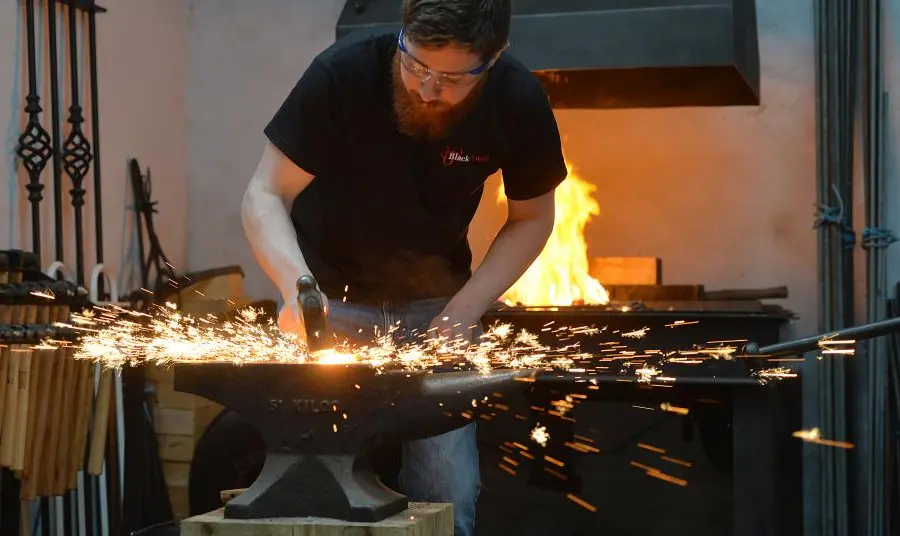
[[482, 26]]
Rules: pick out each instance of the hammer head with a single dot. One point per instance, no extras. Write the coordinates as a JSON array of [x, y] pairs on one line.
[[312, 312]]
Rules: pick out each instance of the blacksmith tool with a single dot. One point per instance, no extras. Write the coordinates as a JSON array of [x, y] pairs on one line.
[[320, 422], [807, 344], [312, 313]]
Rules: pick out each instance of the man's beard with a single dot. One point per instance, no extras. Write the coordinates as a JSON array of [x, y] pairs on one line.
[[431, 120]]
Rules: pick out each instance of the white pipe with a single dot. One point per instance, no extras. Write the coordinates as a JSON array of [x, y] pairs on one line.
[[58, 268], [98, 271]]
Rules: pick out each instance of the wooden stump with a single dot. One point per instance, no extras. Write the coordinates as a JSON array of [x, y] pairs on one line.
[[421, 519]]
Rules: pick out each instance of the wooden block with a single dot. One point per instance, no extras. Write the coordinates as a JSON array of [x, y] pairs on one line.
[[176, 448], [176, 474], [180, 499], [627, 270], [421, 519], [174, 421], [223, 286], [168, 397]]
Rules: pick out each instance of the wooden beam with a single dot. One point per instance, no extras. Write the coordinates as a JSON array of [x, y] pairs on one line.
[[421, 519], [627, 270]]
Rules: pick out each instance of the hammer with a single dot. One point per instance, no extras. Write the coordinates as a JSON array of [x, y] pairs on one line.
[[312, 313]]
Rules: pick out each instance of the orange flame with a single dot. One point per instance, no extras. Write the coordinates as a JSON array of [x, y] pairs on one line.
[[561, 275]]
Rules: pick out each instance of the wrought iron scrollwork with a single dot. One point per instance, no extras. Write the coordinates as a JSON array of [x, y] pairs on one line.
[[76, 156], [34, 147]]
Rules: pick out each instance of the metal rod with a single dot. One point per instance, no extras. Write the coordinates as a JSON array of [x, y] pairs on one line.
[[95, 135], [56, 120], [813, 508], [76, 150], [878, 359], [807, 344]]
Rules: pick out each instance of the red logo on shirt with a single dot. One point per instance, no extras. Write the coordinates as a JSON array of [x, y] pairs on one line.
[[452, 156]]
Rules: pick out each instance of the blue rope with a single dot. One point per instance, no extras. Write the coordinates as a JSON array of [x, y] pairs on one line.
[[831, 215], [877, 237], [826, 214], [12, 131]]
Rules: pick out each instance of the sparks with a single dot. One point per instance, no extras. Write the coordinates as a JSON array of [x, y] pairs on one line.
[[116, 336], [539, 435]]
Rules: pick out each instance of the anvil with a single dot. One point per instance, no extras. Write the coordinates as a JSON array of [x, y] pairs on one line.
[[319, 423]]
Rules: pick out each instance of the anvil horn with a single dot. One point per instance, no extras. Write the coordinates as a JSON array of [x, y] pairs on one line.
[[475, 384], [445, 401]]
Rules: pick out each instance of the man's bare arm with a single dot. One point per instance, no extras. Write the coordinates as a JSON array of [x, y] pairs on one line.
[[519, 242], [265, 213]]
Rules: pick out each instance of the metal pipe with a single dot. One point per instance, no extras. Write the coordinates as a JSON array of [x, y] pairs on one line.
[[807, 344]]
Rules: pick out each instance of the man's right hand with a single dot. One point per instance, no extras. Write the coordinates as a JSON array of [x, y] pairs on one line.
[[290, 321]]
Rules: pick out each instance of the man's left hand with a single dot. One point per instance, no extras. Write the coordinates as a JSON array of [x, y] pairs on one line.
[[454, 327]]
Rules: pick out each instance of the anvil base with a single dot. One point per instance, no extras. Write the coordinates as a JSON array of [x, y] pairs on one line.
[[330, 486]]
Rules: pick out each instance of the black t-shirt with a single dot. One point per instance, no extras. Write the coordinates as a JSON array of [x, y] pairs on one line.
[[386, 216]]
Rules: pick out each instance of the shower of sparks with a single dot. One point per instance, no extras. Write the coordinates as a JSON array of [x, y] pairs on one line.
[[815, 436], [117, 336]]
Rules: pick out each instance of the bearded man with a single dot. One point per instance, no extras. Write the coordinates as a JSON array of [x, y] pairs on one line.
[[372, 172]]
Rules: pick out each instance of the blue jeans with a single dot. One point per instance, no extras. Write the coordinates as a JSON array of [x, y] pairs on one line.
[[443, 468]]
